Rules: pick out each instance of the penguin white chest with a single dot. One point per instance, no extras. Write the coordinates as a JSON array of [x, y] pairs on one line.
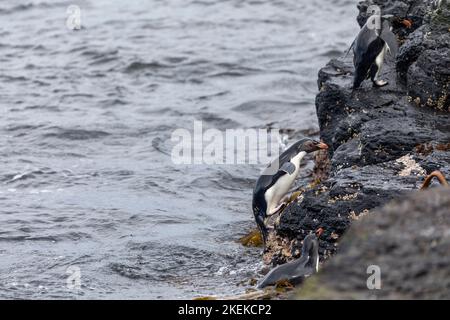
[[380, 58], [282, 185], [317, 264]]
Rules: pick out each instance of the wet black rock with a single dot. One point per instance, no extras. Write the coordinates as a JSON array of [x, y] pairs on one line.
[[407, 241], [343, 198], [382, 141], [428, 77]]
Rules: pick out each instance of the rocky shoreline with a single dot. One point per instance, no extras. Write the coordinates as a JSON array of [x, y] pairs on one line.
[[383, 141], [408, 241]]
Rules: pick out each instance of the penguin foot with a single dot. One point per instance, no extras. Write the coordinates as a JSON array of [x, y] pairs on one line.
[[380, 83], [278, 208]]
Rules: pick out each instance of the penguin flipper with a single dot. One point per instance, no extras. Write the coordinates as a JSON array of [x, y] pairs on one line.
[[288, 167], [390, 38], [349, 49]]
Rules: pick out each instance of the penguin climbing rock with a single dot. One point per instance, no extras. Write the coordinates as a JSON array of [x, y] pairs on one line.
[[297, 270], [277, 179]]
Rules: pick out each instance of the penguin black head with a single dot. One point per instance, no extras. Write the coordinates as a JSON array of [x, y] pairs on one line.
[[310, 248], [386, 22], [311, 244], [309, 145]]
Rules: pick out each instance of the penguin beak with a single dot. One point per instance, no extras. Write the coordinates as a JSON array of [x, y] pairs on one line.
[[407, 23], [322, 145], [319, 232]]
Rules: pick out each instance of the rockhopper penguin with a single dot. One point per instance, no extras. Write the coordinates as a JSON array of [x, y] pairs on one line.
[[370, 46], [276, 180], [295, 271]]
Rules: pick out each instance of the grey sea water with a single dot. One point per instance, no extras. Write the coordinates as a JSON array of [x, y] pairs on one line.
[[86, 177]]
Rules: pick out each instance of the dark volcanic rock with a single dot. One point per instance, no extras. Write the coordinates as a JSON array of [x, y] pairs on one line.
[[382, 142], [341, 199], [428, 77], [408, 240], [424, 60]]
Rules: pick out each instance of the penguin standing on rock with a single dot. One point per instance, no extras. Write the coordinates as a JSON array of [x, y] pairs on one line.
[[277, 179], [297, 270], [370, 47]]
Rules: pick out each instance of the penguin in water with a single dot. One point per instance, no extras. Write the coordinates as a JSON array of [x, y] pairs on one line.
[[370, 47], [295, 271], [277, 179]]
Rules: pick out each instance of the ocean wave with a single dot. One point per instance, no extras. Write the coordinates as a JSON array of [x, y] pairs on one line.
[[75, 134]]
